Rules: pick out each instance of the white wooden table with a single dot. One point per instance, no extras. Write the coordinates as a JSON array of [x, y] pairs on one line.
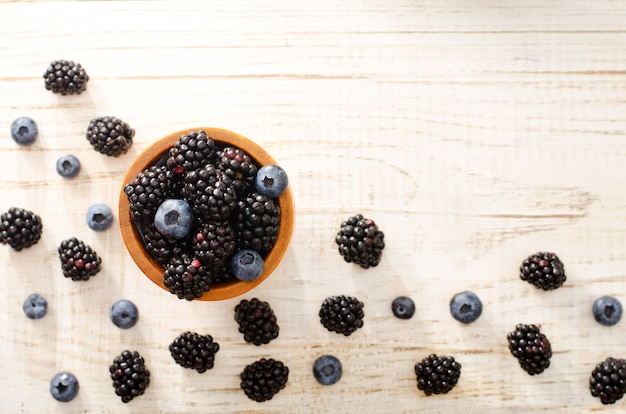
[[474, 133]]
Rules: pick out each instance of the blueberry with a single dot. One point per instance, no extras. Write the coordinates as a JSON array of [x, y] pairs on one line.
[[64, 386], [24, 131], [247, 265], [466, 307], [327, 370], [124, 314], [35, 306], [271, 180], [99, 217], [403, 307], [607, 310], [68, 166], [174, 219]]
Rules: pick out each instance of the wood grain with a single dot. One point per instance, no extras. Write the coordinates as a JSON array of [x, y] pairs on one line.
[[474, 133]]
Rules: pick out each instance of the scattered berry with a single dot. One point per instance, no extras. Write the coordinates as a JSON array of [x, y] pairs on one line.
[[263, 379], [99, 217], [238, 166], [146, 192], [20, 228], [64, 386], [327, 370], [403, 307], [174, 219], [130, 375], [191, 152], [65, 77], [247, 265], [271, 180], [256, 222], [78, 260], [608, 380], [35, 306], [24, 131], [544, 270], [437, 374], [466, 307], [360, 241], [187, 278], [124, 314], [607, 310], [342, 314], [68, 166], [195, 351], [110, 136], [257, 321], [531, 348]]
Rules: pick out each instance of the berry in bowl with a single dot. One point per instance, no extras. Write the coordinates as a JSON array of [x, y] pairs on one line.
[[206, 213]]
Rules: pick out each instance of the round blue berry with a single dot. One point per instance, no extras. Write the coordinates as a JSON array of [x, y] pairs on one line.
[[607, 310], [466, 307], [271, 181], [403, 307], [124, 314], [174, 219], [327, 370], [35, 306], [247, 265], [24, 131], [99, 217], [64, 386], [68, 166]]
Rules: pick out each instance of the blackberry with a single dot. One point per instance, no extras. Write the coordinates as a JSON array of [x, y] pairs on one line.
[[437, 374], [221, 275], [20, 228], [214, 243], [147, 191], [531, 348], [263, 379], [186, 277], [195, 351], [161, 248], [210, 193], [360, 241], [190, 152], [130, 375], [544, 270], [608, 380], [256, 222], [257, 321], [342, 314], [110, 136], [65, 77], [238, 166], [78, 260]]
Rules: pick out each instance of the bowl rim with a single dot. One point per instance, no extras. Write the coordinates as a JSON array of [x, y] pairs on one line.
[[132, 239]]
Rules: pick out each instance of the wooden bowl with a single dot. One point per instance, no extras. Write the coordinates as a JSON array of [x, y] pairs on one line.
[[150, 267]]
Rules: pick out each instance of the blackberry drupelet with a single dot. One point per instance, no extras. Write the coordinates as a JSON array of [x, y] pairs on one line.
[[214, 243], [544, 270], [130, 375], [147, 191], [342, 314], [257, 321], [78, 260], [263, 379], [211, 193], [531, 348], [110, 136], [608, 380], [256, 222], [221, 275], [186, 277], [20, 228], [160, 247], [195, 351], [360, 241], [190, 152], [65, 77], [437, 374], [238, 166]]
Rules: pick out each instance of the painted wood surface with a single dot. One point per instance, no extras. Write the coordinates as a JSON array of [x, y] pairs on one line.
[[474, 133]]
